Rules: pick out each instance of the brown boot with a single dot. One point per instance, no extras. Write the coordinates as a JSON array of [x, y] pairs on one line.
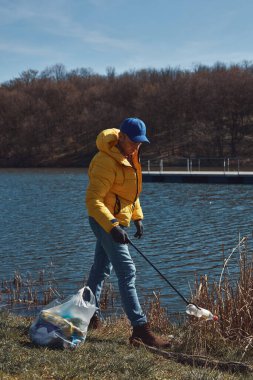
[[143, 334], [95, 322]]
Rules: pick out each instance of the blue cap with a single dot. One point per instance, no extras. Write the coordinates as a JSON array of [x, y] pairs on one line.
[[135, 129]]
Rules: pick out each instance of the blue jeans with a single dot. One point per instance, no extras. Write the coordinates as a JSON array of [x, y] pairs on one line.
[[108, 255]]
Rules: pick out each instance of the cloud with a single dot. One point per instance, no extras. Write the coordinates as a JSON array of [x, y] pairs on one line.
[[32, 12], [95, 38], [10, 13], [102, 3], [52, 19], [64, 26], [17, 48]]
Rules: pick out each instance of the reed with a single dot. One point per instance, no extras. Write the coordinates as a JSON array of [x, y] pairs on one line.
[[157, 314], [108, 297], [40, 288], [231, 300], [29, 290]]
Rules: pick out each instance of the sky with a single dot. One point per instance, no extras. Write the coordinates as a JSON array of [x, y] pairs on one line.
[[122, 34]]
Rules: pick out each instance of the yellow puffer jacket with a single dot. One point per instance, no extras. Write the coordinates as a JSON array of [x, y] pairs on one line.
[[112, 195]]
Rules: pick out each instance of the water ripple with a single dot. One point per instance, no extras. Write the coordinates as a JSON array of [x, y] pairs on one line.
[[188, 229]]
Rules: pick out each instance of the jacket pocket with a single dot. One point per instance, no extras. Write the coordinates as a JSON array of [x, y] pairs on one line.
[[117, 206]]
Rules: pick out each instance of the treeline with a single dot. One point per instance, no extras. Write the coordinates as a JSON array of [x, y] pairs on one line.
[[51, 118]]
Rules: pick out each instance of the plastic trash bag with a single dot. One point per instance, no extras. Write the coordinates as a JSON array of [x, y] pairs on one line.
[[64, 323]]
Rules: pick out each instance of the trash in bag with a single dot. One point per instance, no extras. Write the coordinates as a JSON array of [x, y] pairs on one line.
[[64, 323]]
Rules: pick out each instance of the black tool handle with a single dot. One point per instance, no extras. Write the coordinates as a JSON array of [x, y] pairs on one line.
[[153, 266]]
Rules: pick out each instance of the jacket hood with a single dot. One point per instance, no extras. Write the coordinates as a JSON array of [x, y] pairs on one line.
[[106, 142]]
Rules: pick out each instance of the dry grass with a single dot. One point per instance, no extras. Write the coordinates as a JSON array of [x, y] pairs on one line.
[[231, 338], [106, 354], [37, 289], [231, 299]]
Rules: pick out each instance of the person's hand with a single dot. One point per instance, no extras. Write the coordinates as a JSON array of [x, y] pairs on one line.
[[119, 235], [139, 229]]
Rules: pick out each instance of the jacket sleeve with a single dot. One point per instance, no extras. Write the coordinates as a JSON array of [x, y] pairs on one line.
[[102, 177], [137, 213]]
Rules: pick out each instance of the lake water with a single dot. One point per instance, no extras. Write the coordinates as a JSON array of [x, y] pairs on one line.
[[44, 225]]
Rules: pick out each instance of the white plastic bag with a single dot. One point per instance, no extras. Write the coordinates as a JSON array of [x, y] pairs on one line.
[[64, 323]]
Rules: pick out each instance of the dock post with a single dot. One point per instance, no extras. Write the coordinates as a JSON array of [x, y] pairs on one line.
[[188, 165], [161, 166], [148, 165], [224, 166]]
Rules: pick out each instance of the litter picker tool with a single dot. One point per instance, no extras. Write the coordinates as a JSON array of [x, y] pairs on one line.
[[191, 308]]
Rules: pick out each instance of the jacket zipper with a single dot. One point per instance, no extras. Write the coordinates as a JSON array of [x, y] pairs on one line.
[[137, 183]]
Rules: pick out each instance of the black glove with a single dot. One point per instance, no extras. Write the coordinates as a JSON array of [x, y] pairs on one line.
[[119, 235], [139, 228]]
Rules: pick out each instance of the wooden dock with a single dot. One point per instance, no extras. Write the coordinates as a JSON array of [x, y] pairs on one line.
[[218, 177]]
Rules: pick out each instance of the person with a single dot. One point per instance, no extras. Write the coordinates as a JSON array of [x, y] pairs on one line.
[[112, 200]]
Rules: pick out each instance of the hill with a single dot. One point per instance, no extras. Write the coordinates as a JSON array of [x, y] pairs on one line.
[[52, 118]]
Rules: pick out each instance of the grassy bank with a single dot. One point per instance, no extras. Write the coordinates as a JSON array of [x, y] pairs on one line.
[[105, 354], [208, 349]]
